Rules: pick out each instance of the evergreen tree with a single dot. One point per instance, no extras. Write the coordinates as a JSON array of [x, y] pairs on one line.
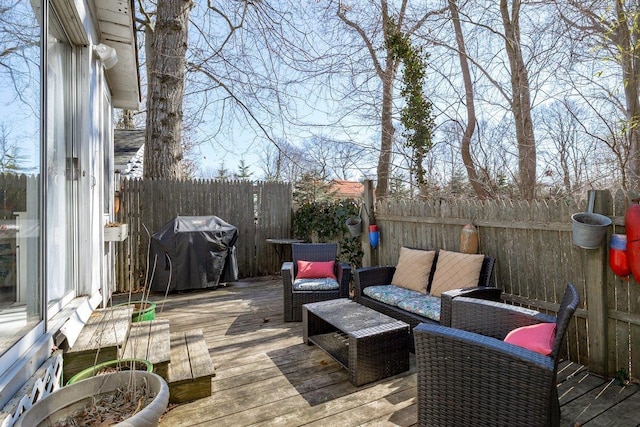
[[311, 187], [243, 171], [223, 173], [10, 157]]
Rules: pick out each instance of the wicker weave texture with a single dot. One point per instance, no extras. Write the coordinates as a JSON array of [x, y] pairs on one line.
[[375, 276], [474, 378], [370, 345], [294, 300]]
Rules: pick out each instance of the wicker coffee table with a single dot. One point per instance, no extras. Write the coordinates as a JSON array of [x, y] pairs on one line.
[[369, 344]]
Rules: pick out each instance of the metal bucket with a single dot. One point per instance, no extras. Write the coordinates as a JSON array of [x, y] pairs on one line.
[[589, 228], [354, 225]]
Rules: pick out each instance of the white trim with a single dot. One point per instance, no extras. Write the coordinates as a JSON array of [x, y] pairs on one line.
[[76, 321], [38, 387], [21, 361], [57, 306], [20, 348], [33, 350]]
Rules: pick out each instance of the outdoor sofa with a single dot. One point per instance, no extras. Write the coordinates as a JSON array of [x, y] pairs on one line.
[[422, 285]]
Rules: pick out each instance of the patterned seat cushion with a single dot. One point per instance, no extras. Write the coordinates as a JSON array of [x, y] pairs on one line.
[[425, 305], [322, 284], [390, 294]]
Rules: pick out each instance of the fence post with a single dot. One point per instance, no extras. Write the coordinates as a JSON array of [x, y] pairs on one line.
[[596, 294], [368, 217]]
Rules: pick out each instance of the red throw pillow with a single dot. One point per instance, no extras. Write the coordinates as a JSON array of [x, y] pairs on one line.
[[315, 270], [538, 338]]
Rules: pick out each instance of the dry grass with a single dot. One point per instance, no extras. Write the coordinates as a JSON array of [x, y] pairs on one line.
[[109, 408]]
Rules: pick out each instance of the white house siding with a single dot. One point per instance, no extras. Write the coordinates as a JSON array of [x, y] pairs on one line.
[[91, 129]]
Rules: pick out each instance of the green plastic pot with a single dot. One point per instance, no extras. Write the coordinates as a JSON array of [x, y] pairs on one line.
[[111, 366], [143, 310]]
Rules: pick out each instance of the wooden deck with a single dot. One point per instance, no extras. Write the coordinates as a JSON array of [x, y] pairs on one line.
[[266, 376]]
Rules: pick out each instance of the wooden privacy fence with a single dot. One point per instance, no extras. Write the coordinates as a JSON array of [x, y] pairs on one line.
[[259, 211], [13, 193], [535, 259]]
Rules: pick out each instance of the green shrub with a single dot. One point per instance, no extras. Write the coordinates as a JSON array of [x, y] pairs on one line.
[[324, 221]]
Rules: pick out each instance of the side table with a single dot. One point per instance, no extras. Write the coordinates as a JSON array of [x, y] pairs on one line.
[[279, 245]]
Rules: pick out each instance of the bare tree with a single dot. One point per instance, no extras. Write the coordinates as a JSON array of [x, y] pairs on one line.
[[560, 125], [611, 28], [332, 158], [282, 162], [368, 24], [166, 41], [470, 126], [520, 99], [11, 158]]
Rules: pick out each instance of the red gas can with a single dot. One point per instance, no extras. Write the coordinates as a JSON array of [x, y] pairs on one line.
[[632, 223], [618, 256]]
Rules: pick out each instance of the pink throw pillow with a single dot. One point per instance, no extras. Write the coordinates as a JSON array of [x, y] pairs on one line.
[[315, 270], [538, 338]]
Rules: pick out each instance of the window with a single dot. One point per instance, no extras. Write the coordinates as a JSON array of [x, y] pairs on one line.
[[60, 184], [20, 167]]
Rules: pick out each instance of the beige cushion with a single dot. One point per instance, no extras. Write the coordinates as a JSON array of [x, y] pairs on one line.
[[455, 270], [413, 268]]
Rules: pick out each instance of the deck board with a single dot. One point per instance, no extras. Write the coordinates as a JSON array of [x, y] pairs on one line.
[[106, 330], [266, 375], [149, 340]]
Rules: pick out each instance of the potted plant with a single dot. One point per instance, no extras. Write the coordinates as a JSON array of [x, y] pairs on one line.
[[112, 366], [126, 398], [142, 310], [354, 225]]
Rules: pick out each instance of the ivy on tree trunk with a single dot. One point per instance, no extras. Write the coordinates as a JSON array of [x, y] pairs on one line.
[[416, 115]]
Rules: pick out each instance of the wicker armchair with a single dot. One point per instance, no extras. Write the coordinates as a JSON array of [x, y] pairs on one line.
[[468, 376], [293, 300]]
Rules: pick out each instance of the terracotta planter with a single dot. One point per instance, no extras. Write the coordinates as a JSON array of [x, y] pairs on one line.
[[61, 403]]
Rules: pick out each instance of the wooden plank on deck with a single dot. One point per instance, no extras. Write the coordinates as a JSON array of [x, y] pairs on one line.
[[150, 340], [597, 401], [190, 370], [266, 376], [581, 384], [623, 414], [102, 338]]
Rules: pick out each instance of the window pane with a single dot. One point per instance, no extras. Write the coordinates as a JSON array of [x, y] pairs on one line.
[[20, 291], [58, 159]]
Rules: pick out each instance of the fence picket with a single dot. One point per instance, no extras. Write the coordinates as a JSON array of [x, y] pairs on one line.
[[156, 202], [535, 259]]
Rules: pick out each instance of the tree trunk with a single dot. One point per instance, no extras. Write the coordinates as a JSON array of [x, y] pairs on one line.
[[126, 120], [520, 101], [388, 131], [465, 145], [166, 49], [627, 40]]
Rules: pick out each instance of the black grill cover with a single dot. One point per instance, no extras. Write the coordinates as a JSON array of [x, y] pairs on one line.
[[200, 250]]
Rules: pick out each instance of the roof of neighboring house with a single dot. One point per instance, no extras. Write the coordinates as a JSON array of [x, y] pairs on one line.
[[347, 189], [128, 150]]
